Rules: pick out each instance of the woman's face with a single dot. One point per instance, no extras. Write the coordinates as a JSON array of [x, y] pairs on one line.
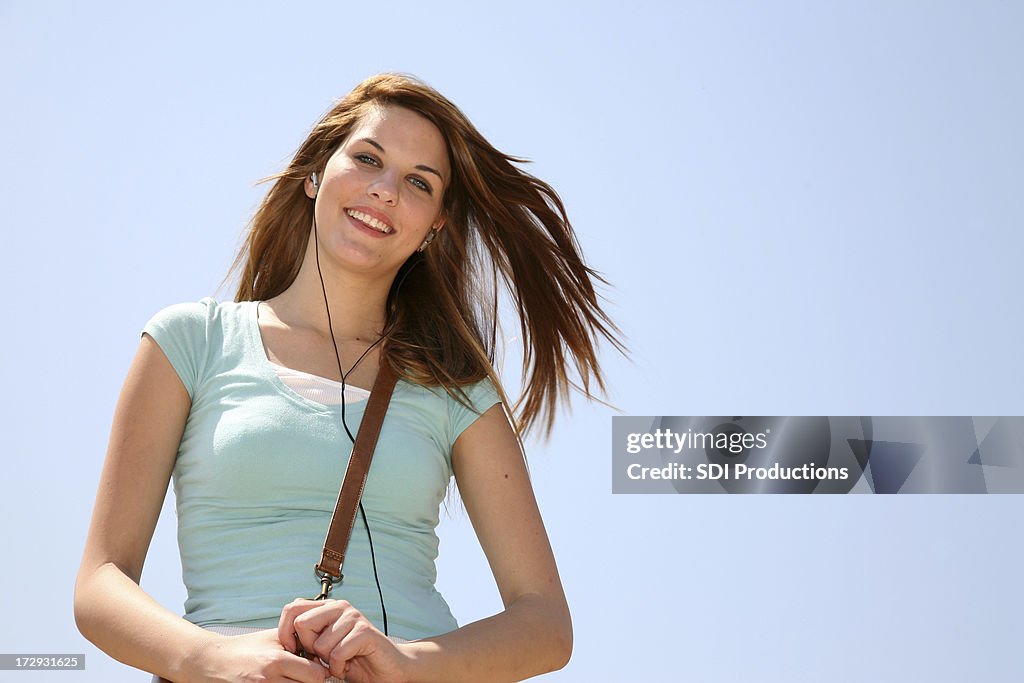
[[381, 191]]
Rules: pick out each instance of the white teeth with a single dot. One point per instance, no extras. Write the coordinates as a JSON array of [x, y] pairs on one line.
[[370, 221]]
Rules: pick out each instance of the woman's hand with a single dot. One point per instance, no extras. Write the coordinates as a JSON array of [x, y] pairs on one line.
[[340, 636], [258, 656]]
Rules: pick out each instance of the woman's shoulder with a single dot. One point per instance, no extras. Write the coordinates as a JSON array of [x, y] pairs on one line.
[[452, 414], [199, 335], [198, 324], [186, 312], [468, 390], [470, 398], [194, 314]]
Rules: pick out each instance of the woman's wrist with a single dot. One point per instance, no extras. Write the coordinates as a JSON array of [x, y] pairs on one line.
[[420, 659], [196, 655]]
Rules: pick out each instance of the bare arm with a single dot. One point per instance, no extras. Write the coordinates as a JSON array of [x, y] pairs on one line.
[[111, 610], [531, 636]]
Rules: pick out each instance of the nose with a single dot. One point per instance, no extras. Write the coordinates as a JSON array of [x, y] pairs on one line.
[[384, 188]]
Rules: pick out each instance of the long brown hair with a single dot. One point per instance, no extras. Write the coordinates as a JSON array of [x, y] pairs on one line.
[[502, 224]]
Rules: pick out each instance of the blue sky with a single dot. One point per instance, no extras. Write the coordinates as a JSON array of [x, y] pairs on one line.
[[802, 208]]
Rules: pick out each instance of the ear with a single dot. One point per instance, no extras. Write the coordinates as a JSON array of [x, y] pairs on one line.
[[308, 186], [439, 223]]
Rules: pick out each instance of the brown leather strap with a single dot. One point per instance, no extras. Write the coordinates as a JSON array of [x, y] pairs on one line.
[[340, 531]]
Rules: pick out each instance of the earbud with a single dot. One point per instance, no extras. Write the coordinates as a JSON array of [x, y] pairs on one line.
[[316, 181]]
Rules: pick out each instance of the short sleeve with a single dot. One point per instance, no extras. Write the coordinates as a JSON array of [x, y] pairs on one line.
[[482, 395], [182, 332]]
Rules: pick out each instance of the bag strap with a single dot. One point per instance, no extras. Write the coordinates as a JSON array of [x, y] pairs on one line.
[[328, 570]]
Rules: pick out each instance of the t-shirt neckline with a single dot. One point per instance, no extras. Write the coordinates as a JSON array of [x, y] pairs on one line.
[[267, 369]]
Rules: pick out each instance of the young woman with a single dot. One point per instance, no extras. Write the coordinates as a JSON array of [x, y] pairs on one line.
[[381, 245]]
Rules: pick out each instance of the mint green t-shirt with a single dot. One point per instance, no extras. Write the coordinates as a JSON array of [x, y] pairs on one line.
[[258, 472]]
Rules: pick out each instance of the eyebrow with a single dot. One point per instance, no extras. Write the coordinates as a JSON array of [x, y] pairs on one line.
[[421, 167]]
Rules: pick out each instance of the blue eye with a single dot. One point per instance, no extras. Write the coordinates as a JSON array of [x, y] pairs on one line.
[[371, 161]]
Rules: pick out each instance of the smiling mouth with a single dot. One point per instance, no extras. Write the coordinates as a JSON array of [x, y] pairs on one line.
[[370, 221]]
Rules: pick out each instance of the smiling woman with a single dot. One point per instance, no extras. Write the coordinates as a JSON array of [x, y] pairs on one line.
[[388, 197], [377, 253]]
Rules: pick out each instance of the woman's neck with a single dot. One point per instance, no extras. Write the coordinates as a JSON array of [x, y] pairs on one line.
[[357, 303]]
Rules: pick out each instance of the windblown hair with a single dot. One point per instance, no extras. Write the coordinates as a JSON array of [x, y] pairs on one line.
[[444, 315]]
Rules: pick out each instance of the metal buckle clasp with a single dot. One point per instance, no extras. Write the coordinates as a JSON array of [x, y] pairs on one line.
[[327, 582]]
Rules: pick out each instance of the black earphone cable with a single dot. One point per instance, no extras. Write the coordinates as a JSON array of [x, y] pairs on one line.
[[343, 374]]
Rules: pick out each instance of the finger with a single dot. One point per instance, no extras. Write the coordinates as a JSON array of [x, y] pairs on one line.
[[336, 614], [334, 632], [331, 622], [295, 668], [361, 640], [285, 625]]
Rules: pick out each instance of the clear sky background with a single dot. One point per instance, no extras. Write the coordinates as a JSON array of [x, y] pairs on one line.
[[804, 208]]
